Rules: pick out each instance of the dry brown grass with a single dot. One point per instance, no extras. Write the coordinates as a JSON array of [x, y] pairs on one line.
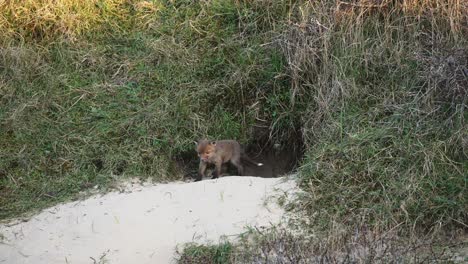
[[68, 19]]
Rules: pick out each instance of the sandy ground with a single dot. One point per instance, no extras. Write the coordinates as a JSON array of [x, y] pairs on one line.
[[145, 224]]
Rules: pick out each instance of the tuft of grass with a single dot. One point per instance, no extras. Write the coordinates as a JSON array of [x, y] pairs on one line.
[[210, 254]]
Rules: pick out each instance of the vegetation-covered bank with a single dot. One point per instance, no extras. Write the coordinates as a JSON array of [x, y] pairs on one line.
[[376, 90], [97, 90]]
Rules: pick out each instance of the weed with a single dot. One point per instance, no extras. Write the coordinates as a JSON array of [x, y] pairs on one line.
[[215, 254]]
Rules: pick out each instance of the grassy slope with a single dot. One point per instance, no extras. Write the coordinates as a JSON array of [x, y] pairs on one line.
[[124, 87], [124, 90]]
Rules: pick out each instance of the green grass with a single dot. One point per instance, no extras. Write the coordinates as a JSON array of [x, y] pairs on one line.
[[125, 100], [381, 103], [210, 254], [389, 146]]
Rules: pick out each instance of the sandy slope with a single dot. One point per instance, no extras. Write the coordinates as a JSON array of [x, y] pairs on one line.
[[142, 226]]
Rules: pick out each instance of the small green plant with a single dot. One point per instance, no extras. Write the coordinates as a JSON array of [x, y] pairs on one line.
[[210, 254]]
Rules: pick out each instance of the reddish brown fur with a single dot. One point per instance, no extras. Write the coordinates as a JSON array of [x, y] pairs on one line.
[[218, 153]]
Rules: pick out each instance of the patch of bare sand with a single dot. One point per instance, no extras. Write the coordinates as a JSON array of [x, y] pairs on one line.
[[144, 225]]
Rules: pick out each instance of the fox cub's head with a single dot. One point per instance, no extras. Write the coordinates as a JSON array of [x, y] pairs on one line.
[[205, 149]]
